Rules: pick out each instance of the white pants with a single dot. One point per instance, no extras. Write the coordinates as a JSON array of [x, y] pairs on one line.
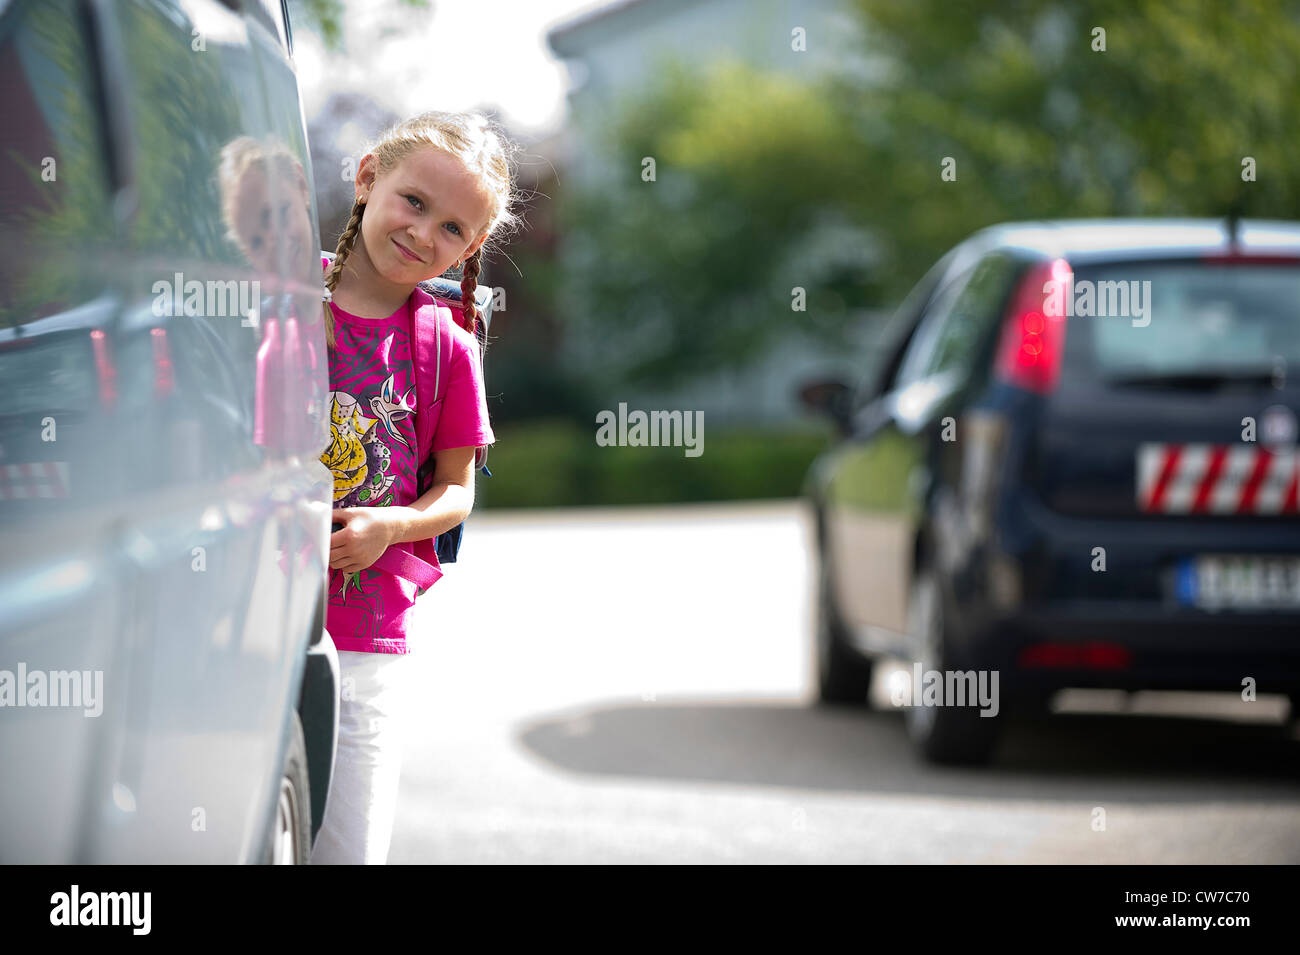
[[362, 802]]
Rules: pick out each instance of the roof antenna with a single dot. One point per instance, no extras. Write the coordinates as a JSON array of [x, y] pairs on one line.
[[1234, 222]]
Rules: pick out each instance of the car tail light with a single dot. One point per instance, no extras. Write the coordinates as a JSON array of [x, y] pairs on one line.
[[163, 380], [268, 395], [1033, 334], [1096, 655], [104, 368]]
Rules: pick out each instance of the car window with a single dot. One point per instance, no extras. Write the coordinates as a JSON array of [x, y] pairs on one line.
[[57, 301], [920, 352], [882, 370], [218, 193], [964, 330], [1194, 318], [56, 198]]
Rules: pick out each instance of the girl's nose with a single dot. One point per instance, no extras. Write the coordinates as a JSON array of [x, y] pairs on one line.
[[421, 244]]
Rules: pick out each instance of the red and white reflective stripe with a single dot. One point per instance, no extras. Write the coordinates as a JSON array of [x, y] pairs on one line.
[[1217, 479], [33, 480]]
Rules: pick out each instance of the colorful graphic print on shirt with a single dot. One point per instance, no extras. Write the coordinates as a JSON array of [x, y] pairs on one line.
[[360, 453], [372, 451]]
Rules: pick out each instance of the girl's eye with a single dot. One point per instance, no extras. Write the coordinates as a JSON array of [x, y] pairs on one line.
[[415, 203]]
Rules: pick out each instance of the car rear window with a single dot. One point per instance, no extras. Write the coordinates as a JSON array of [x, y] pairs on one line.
[[1183, 319], [49, 374]]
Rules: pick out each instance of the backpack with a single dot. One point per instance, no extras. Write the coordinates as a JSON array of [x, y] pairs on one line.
[[447, 297], [438, 301]]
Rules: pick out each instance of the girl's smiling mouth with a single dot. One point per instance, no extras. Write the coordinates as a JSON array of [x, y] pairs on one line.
[[407, 252]]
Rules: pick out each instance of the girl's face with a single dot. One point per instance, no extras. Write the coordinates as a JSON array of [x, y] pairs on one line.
[[421, 217], [271, 214]]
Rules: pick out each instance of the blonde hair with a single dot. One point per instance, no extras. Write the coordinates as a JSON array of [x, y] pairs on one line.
[[477, 142]]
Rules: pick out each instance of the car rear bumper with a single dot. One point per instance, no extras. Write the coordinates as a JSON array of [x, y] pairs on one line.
[[1037, 606], [1134, 647]]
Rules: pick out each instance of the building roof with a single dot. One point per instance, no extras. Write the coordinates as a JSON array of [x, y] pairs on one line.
[[571, 38]]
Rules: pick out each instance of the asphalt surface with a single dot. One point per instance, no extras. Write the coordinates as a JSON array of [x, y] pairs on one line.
[[636, 685]]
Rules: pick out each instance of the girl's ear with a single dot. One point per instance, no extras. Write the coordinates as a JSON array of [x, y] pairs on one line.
[[474, 247], [366, 176]]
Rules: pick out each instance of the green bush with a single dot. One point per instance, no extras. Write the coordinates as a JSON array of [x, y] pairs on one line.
[[557, 463]]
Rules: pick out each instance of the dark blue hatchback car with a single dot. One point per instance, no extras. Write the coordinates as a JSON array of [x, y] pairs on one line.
[[1076, 467]]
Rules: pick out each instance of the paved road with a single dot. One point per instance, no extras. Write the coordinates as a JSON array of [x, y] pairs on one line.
[[635, 685]]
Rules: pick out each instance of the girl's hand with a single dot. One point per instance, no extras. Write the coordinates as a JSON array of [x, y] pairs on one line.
[[366, 533]]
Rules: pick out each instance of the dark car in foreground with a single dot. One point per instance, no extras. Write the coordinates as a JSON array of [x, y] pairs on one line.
[[1075, 467]]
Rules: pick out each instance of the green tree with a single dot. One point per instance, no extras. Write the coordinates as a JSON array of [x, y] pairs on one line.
[[1043, 122], [693, 272]]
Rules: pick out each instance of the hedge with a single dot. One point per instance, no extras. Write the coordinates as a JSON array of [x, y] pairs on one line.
[[553, 462]]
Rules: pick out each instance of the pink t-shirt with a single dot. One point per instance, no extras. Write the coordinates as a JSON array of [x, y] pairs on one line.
[[373, 456]]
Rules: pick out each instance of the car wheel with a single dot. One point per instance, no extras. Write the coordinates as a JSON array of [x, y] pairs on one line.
[[288, 840], [843, 674], [950, 735]]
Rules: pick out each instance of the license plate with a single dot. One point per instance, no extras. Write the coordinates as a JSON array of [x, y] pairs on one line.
[[1239, 582]]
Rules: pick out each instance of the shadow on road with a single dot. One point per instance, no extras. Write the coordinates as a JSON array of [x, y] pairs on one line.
[[859, 750]]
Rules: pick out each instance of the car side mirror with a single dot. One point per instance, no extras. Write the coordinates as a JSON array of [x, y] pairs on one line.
[[830, 397]]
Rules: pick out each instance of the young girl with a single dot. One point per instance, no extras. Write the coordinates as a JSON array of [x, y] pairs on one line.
[[429, 193]]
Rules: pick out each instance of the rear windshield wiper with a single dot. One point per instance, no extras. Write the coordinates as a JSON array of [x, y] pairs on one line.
[[1194, 379]]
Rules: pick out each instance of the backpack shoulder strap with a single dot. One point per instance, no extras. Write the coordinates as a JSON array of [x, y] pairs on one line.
[[431, 360], [431, 357]]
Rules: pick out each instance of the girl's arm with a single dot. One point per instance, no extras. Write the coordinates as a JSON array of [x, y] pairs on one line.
[[440, 508]]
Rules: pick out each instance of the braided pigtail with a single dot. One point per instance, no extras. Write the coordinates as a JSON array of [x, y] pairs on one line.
[[468, 285], [347, 239]]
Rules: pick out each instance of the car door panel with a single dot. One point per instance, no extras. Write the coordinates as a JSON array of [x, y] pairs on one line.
[[874, 498]]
